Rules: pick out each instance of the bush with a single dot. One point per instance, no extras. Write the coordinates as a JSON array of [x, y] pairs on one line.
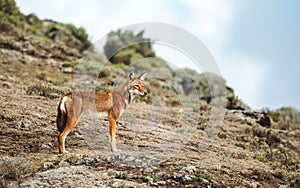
[[9, 7], [286, 118], [45, 90], [122, 47], [12, 168]]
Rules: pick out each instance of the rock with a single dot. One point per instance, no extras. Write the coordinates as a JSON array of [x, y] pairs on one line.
[[7, 85], [189, 185], [283, 186], [214, 183], [147, 170], [252, 184], [162, 183], [205, 181], [63, 164], [175, 176], [21, 125], [187, 178], [47, 130], [125, 183], [153, 184], [148, 179], [120, 174], [38, 115], [71, 176], [189, 169], [44, 146], [129, 159], [105, 176], [68, 70], [2, 78], [265, 121], [138, 162], [50, 145], [90, 161], [47, 165]]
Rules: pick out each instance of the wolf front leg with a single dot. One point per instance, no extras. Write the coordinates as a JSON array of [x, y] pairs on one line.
[[62, 136], [112, 131]]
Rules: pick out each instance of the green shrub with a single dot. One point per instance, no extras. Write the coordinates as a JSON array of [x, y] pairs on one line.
[[122, 47], [9, 7], [45, 90], [286, 118], [41, 75]]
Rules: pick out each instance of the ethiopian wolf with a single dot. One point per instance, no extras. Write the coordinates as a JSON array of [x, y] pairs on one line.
[[111, 103]]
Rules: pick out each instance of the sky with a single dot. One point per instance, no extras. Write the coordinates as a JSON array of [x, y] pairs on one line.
[[256, 44]]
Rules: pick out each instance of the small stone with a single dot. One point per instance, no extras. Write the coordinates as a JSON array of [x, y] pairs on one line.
[[189, 169], [44, 146], [120, 156], [68, 70], [120, 174], [205, 181], [189, 185], [129, 159], [48, 130], [147, 170], [187, 178], [176, 176], [3, 78], [149, 179], [50, 145], [283, 186], [252, 184], [124, 183], [89, 160], [116, 184], [23, 185], [214, 183], [7, 85], [21, 125], [161, 183], [63, 164], [47, 165], [38, 115], [138, 162], [153, 184], [100, 184]]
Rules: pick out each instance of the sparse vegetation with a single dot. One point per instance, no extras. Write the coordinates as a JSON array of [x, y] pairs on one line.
[[49, 91], [41, 75], [38, 61], [127, 47], [12, 168], [286, 118]]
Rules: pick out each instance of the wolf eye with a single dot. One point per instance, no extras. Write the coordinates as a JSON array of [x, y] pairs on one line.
[[136, 86]]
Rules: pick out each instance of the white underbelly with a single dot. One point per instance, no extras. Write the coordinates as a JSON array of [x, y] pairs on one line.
[[93, 114], [102, 114]]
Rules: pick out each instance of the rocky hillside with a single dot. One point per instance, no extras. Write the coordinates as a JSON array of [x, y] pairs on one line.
[[165, 139]]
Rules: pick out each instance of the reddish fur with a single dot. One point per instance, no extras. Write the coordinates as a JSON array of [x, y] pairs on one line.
[[111, 103]]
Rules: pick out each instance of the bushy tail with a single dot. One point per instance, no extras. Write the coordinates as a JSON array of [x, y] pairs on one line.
[[61, 119]]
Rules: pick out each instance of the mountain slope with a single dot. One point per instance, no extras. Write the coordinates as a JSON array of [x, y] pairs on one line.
[[163, 142]]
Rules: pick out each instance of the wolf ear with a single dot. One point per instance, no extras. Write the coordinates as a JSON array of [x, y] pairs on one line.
[[142, 76], [131, 75]]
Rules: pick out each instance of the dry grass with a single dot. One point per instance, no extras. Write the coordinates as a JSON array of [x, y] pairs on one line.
[[12, 168]]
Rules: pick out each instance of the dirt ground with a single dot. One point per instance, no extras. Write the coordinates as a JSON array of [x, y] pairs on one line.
[[159, 146]]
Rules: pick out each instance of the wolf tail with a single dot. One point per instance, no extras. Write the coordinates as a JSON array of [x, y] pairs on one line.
[[61, 119]]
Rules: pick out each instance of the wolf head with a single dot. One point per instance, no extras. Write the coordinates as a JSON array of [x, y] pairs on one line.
[[136, 86]]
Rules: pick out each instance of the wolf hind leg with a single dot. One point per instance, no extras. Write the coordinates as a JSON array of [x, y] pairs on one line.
[[112, 131]]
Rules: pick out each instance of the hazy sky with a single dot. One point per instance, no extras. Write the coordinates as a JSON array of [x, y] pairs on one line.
[[255, 43]]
